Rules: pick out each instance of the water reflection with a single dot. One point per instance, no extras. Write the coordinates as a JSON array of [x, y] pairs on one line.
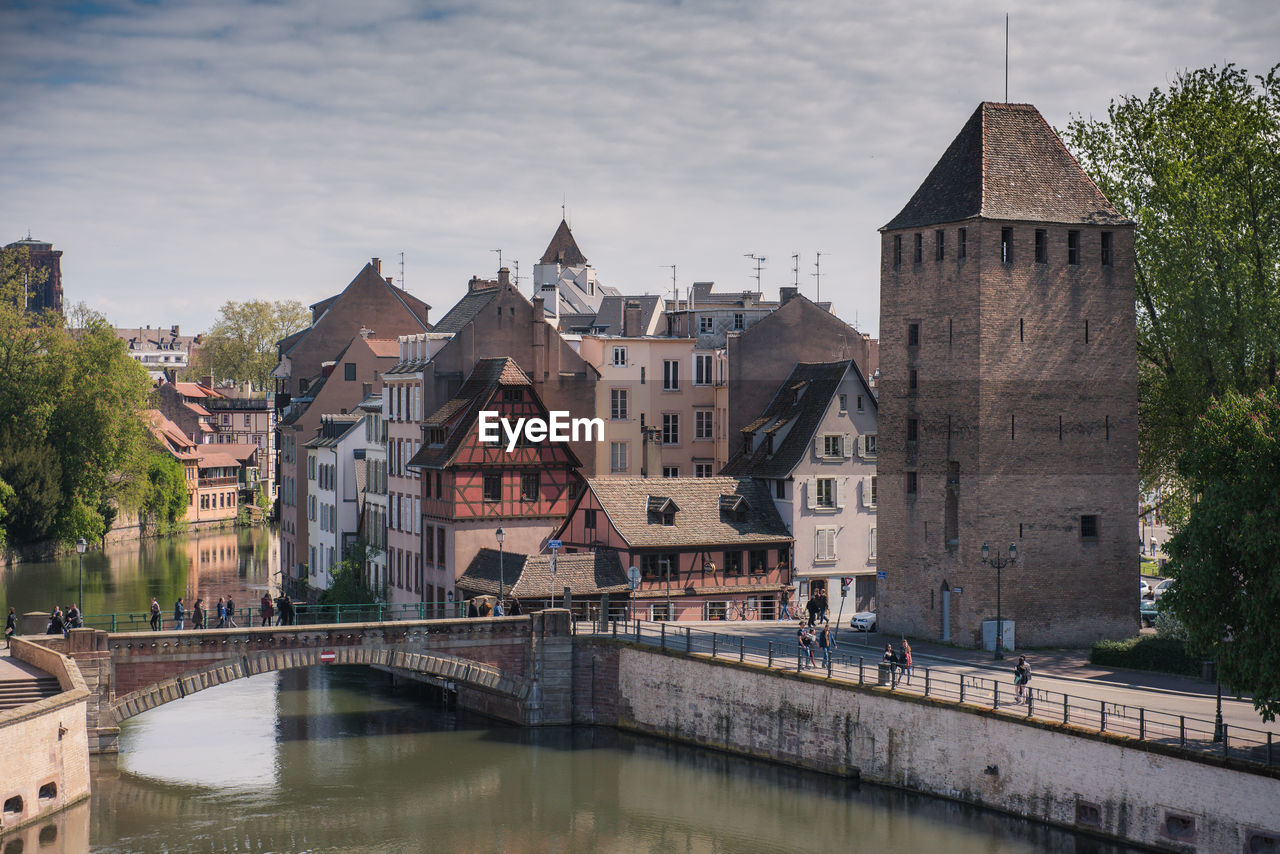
[[331, 759], [239, 562]]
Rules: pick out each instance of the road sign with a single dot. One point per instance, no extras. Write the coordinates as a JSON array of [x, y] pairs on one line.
[[633, 577], [844, 586], [555, 544], [328, 657], [881, 575]]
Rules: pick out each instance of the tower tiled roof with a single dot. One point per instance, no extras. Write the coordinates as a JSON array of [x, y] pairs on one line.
[[563, 249], [1007, 164]]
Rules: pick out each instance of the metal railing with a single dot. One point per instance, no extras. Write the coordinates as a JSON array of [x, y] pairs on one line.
[[1178, 731]]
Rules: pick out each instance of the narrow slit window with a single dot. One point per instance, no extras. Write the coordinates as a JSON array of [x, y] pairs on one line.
[[1021, 330], [1006, 246], [962, 244], [939, 239], [919, 256], [1042, 246], [1013, 427], [897, 251], [1106, 249], [1073, 247], [1086, 331], [913, 379]]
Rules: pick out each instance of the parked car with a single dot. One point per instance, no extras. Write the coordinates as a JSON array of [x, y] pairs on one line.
[[1144, 589], [1147, 611], [1161, 589], [863, 621]]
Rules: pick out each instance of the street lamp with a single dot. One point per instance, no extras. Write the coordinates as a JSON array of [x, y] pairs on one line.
[[81, 548], [502, 578], [999, 563]]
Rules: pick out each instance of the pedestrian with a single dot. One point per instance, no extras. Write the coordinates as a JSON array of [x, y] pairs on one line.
[[197, 614], [1021, 676], [826, 643], [890, 660], [222, 613], [56, 625], [265, 609], [497, 609], [231, 614], [810, 641], [74, 619], [515, 608], [280, 610], [485, 608], [155, 615], [801, 644], [812, 608], [10, 626], [179, 614], [472, 610], [289, 613], [907, 664]]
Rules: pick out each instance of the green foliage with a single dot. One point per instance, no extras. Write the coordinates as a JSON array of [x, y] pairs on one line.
[[18, 278], [1149, 566], [7, 499], [348, 586], [33, 473], [1227, 593], [1146, 652], [1168, 625], [166, 501], [241, 345], [1197, 167]]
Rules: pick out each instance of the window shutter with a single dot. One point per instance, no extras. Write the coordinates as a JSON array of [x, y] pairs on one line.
[[817, 544], [811, 492], [866, 492], [818, 449], [847, 446], [857, 447], [838, 483]]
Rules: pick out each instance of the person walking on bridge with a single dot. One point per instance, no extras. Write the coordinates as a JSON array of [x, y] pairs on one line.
[[155, 615], [265, 609], [231, 614], [222, 613], [179, 614], [197, 614], [10, 626], [1022, 676]]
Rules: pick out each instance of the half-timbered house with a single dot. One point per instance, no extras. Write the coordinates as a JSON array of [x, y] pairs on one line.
[[471, 488], [707, 548]]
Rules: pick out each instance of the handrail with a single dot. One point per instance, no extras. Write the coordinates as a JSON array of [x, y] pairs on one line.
[[1181, 732]]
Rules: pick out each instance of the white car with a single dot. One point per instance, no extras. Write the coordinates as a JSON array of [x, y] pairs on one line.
[[1144, 589], [863, 621], [1161, 589]]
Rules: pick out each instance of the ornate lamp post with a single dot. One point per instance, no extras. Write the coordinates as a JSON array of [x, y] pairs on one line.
[[502, 578], [999, 563], [81, 548]]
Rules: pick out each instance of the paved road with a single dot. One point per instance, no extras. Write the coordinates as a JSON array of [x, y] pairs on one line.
[[1055, 672]]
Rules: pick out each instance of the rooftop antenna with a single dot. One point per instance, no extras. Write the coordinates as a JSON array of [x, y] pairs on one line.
[[1006, 57], [517, 279], [402, 271], [499, 251], [675, 292], [817, 275], [564, 201], [759, 259], [795, 269]]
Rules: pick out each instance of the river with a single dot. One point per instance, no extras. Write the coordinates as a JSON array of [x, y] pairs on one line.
[[336, 759]]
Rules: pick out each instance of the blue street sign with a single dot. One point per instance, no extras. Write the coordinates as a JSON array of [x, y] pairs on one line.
[[554, 544], [881, 575]]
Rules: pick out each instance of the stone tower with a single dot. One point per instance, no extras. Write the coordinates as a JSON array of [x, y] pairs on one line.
[[47, 292], [1008, 397]]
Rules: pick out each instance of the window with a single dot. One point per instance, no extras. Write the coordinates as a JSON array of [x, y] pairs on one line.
[[897, 251], [757, 561], [913, 379], [939, 244], [620, 356], [1106, 249], [831, 445], [844, 403], [642, 375], [913, 429], [659, 611], [671, 471], [706, 325], [657, 566], [869, 445], [617, 457], [717, 609], [1073, 247], [1042, 246], [509, 395], [349, 371], [919, 250], [739, 320], [913, 334], [780, 489], [670, 375], [872, 550], [913, 483], [1089, 527], [1006, 246], [589, 519], [493, 487], [859, 403], [440, 547], [439, 484], [702, 369], [872, 491], [824, 545], [702, 424], [618, 404], [670, 428], [702, 469], [246, 420], [826, 492], [962, 244], [733, 563], [530, 486]]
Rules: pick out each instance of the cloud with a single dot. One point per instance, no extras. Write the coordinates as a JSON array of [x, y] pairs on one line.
[[185, 154]]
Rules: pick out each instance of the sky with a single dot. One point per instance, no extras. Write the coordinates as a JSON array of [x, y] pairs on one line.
[[185, 154]]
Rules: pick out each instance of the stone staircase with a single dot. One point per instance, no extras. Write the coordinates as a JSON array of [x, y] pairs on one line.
[[32, 689]]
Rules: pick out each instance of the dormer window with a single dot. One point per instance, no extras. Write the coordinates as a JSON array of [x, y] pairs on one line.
[[435, 436], [734, 507], [662, 510]]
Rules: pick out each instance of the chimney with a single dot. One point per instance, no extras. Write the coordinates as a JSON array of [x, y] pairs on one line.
[[539, 308], [377, 265], [207, 381], [631, 320], [476, 283], [504, 278], [651, 459], [365, 331], [390, 281], [366, 389], [786, 295], [326, 368]]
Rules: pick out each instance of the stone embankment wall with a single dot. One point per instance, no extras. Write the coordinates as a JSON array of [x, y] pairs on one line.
[[1106, 785], [44, 750]]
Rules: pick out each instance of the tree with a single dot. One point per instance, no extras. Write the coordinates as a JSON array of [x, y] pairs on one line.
[[32, 471], [241, 345], [166, 501], [1227, 588], [348, 586], [1197, 168]]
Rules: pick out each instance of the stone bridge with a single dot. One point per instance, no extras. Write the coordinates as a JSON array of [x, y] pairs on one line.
[[517, 669]]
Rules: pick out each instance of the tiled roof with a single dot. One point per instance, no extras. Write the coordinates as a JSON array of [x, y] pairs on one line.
[[563, 249], [333, 429], [458, 413], [384, 348], [799, 403], [465, 310], [170, 434], [529, 576], [698, 519], [216, 460], [241, 451], [1007, 164], [195, 390]]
